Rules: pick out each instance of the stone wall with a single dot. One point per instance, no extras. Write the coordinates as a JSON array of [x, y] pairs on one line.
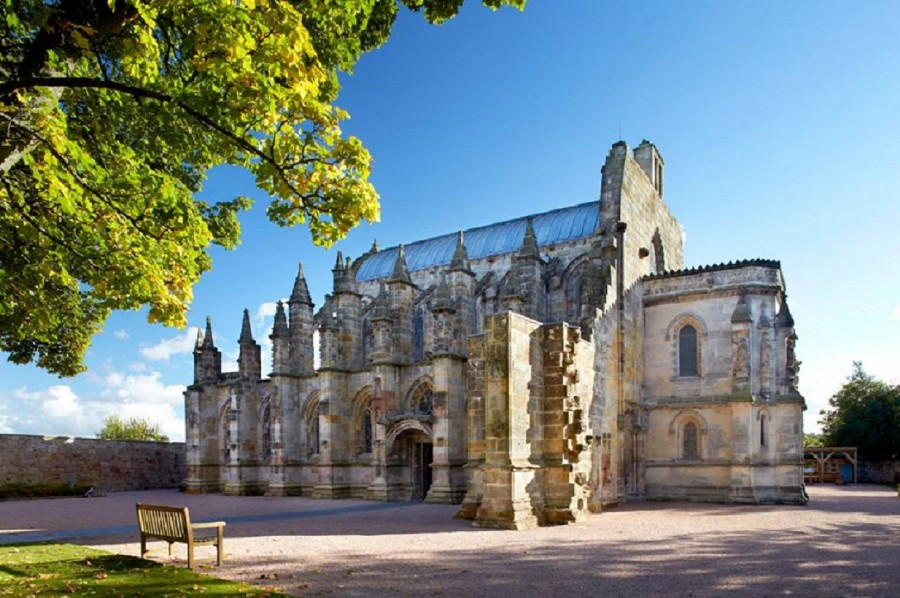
[[730, 431], [106, 465], [878, 472]]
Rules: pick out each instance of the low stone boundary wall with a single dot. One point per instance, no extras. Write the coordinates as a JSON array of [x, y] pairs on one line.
[[108, 465], [879, 472]]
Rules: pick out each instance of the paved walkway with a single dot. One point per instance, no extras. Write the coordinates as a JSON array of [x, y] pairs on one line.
[[845, 543]]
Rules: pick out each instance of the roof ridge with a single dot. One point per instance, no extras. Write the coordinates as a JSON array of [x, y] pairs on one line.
[[766, 263]]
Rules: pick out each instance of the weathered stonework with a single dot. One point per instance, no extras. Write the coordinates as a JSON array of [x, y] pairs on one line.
[[108, 465], [531, 371]]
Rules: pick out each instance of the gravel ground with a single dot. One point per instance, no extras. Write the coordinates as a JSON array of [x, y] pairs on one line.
[[846, 542]]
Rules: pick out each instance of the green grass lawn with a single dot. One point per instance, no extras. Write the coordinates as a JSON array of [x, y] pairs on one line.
[[61, 569]]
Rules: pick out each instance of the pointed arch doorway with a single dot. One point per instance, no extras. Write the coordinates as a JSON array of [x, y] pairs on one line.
[[409, 458]]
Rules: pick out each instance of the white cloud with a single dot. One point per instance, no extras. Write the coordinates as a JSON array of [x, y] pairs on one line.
[[61, 402], [142, 388], [146, 395], [164, 349], [60, 411], [56, 410], [265, 310], [230, 360], [895, 315], [121, 335]]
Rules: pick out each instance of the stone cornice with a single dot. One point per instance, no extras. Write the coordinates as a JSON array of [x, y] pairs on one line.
[[715, 268]]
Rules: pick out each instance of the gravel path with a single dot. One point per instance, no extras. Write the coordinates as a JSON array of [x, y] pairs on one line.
[[846, 542]]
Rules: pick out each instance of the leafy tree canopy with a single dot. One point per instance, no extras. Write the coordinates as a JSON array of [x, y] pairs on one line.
[[113, 111], [865, 413], [810, 439], [135, 428]]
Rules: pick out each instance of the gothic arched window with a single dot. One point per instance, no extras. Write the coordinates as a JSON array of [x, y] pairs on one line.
[[687, 352], [419, 335], [311, 413], [363, 421], [367, 431], [267, 434], [420, 399], [315, 431], [690, 442], [763, 429], [574, 291]]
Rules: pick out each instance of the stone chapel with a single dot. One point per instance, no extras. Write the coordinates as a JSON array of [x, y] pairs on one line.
[[531, 371]]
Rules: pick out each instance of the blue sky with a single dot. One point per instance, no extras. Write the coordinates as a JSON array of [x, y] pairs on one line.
[[779, 124]]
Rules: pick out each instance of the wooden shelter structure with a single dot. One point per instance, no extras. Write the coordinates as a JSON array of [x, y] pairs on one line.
[[822, 463]]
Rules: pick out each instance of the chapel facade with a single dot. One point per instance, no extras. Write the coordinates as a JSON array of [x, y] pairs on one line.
[[530, 371]]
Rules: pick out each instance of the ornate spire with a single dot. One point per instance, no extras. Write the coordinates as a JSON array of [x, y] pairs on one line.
[[529, 242], [246, 334], [300, 293], [199, 344], [460, 259], [784, 318], [442, 301], [340, 273], [741, 312], [401, 272], [381, 309], [280, 328], [208, 336]]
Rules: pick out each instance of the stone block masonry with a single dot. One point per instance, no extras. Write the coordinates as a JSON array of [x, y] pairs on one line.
[[105, 464]]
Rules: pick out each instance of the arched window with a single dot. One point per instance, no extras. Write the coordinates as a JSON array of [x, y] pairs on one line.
[[311, 411], [363, 425], [315, 431], [267, 434], [690, 442], [367, 431], [421, 399], [687, 352], [574, 291], [763, 429], [419, 335], [426, 403]]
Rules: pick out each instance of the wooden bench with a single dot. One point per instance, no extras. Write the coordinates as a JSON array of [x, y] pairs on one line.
[[173, 524]]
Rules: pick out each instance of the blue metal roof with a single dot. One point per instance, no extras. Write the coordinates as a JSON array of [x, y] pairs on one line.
[[556, 226]]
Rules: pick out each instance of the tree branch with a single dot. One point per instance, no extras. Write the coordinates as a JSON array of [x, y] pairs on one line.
[[9, 87]]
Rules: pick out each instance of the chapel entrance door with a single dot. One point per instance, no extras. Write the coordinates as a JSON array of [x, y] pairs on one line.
[[421, 474], [411, 455]]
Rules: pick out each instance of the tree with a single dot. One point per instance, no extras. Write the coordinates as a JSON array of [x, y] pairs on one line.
[[811, 439], [134, 428], [865, 413], [113, 111]]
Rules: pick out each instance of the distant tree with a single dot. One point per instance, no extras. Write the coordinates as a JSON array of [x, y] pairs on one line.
[[134, 428], [811, 439], [113, 111], [865, 413]]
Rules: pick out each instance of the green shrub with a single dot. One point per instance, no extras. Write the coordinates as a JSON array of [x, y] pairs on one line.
[[17, 490]]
